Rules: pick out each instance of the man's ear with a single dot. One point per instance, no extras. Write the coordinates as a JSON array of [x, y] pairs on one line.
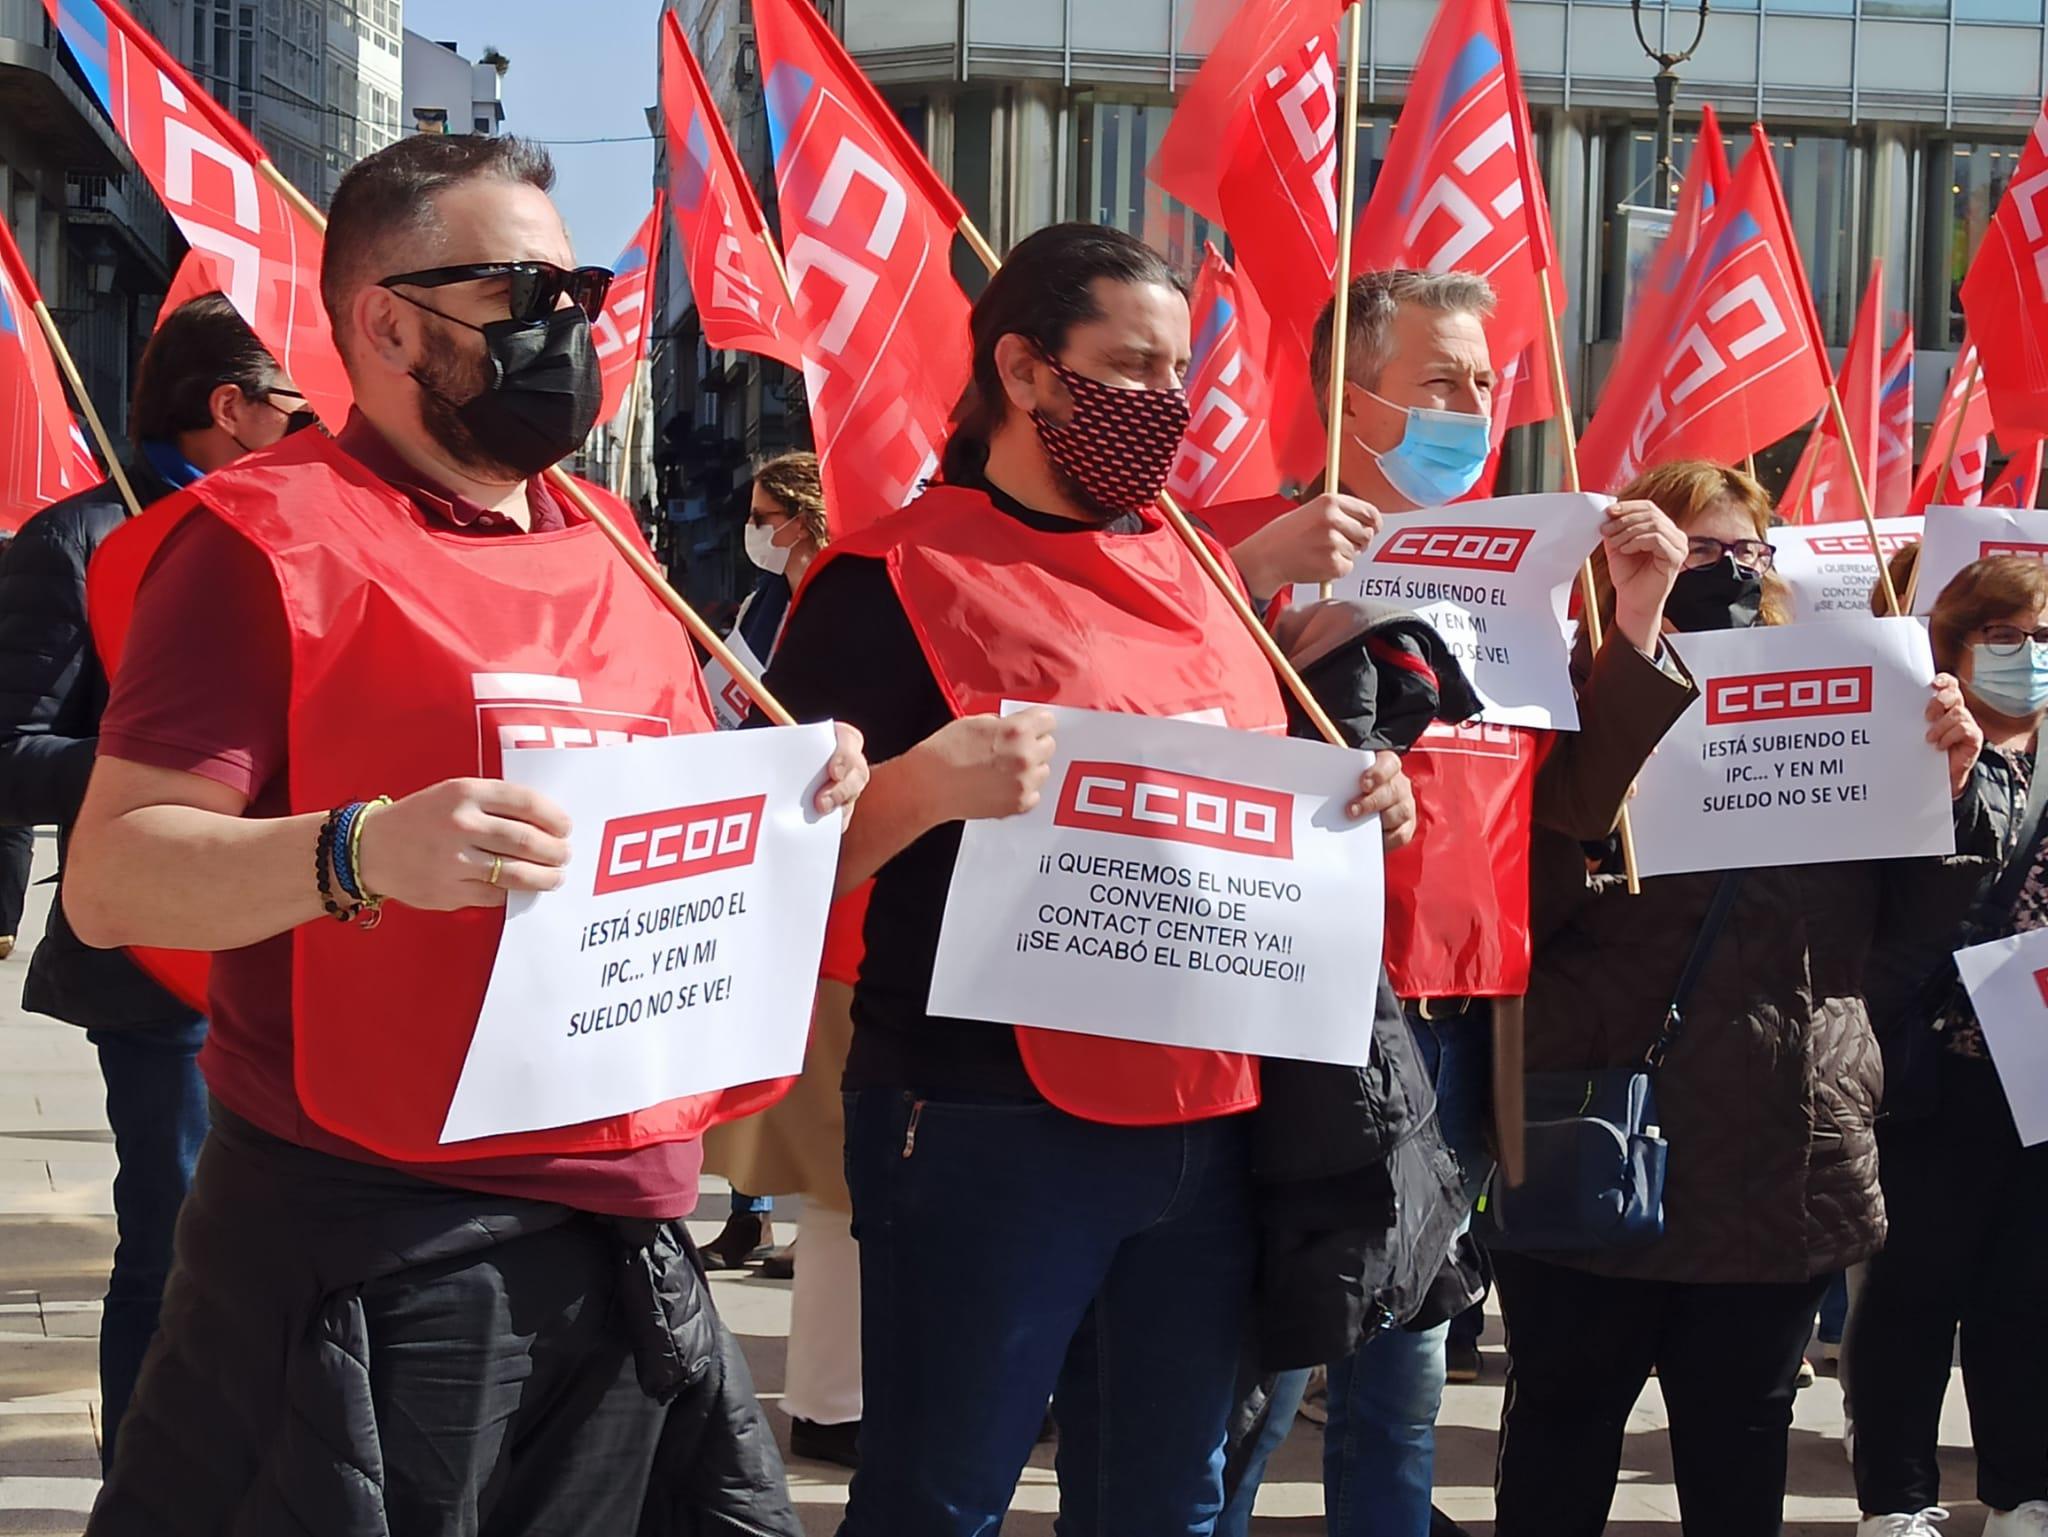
[[224, 403], [1022, 370], [385, 328]]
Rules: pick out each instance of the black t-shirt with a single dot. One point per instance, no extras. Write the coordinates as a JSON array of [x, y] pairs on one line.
[[848, 653]]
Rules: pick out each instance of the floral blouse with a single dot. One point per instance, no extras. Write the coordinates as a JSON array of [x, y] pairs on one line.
[[1958, 1025]]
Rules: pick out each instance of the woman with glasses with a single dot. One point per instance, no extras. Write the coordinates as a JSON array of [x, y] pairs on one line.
[[1768, 1099], [1969, 1236]]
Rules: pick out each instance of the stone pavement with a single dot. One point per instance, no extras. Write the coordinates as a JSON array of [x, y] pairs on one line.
[[57, 1236]]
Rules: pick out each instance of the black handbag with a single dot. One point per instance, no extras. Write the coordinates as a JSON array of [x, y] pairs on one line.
[[1595, 1153]]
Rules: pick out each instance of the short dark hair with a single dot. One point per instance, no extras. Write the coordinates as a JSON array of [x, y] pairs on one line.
[[198, 347], [1376, 298], [1044, 289], [385, 201]]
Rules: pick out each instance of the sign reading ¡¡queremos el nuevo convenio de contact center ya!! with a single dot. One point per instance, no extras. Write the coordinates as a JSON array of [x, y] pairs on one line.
[[1962, 536], [1177, 883], [1828, 567], [1808, 744], [680, 954]]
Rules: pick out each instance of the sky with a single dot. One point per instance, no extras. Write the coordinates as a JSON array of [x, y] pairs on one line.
[[581, 69]]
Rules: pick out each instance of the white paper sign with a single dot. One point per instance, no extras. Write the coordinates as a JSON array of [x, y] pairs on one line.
[[1180, 884], [1829, 567], [1808, 744], [680, 954], [1962, 536], [729, 702], [1494, 578], [2008, 985]]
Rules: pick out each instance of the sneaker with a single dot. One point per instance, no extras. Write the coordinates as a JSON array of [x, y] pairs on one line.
[[1315, 1399], [1806, 1376], [2030, 1520], [836, 1444], [1919, 1523], [1461, 1361], [744, 1239]]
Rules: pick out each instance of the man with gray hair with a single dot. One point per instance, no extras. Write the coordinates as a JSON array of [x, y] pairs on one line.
[[1417, 421]]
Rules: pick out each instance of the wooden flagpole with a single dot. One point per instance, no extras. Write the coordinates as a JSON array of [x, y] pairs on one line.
[[1347, 218], [69, 369], [1589, 596], [643, 567], [1884, 570]]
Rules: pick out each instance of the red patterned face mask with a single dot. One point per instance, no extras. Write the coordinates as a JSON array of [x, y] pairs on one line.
[[1119, 444]]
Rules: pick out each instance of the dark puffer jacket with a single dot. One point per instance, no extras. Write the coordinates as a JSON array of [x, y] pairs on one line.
[[1770, 1097]]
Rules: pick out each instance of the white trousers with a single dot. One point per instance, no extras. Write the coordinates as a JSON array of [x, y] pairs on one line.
[[822, 1383]]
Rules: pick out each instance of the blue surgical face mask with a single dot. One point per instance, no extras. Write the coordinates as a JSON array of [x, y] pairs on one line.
[[1441, 454], [2015, 685]]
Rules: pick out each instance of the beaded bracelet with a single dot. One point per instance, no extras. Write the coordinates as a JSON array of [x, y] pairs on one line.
[[335, 858], [323, 864]]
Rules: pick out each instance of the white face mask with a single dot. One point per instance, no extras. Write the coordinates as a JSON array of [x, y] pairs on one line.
[[762, 549]]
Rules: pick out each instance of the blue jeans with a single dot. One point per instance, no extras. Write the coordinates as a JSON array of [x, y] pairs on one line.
[[156, 1105], [751, 1205], [1834, 1309], [1283, 1403], [1011, 1253]]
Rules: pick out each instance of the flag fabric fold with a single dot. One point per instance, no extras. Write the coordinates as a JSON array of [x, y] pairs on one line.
[[1821, 489], [2020, 485], [619, 334], [868, 234], [1227, 454], [44, 458], [2005, 298], [1959, 440]]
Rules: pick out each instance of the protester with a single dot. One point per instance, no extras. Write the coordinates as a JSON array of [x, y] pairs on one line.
[[1968, 1242], [1767, 1099], [1419, 390], [17, 845], [206, 393], [1040, 1214], [362, 1333]]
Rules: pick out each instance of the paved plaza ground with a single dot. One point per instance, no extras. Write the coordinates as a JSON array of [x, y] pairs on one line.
[[57, 1237]]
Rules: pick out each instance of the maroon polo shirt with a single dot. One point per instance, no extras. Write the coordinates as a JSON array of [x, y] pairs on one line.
[[205, 688]]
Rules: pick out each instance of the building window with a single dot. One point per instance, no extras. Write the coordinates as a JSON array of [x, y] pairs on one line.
[[1972, 180], [1999, 10], [1815, 171], [1116, 142]]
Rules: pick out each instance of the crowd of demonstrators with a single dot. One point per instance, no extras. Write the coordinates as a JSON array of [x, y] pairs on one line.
[[360, 1334], [206, 394], [1967, 1244]]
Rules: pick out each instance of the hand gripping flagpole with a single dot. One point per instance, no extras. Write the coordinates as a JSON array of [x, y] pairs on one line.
[[98, 428], [1347, 218], [562, 481]]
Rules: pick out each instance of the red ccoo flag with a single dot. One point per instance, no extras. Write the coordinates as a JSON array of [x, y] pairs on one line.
[[2020, 485], [1892, 485], [1227, 455], [868, 232], [1460, 192], [2005, 296], [1821, 486], [1741, 363], [261, 249], [41, 456], [620, 333], [192, 280], [742, 302], [1965, 444]]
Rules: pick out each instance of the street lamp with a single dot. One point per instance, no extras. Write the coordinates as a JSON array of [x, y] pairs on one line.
[[1667, 95]]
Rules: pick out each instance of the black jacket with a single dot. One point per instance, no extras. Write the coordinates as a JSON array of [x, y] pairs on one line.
[[255, 1417], [52, 693]]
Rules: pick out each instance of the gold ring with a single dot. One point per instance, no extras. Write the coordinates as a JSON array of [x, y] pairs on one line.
[[497, 869]]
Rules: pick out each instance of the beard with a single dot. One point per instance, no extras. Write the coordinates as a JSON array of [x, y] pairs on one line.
[[449, 379]]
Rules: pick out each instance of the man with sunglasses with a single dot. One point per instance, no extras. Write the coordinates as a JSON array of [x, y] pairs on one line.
[[206, 393], [383, 1331]]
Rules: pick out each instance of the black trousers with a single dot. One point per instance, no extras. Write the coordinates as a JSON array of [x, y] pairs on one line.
[[1968, 1248], [17, 851], [1581, 1348]]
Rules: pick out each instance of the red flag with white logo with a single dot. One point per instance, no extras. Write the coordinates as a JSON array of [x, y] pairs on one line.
[[2020, 485], [721, 234], [42, 458], [1227, 455], [2005, 296], [1822, 488], [259, 247], [619, 335], [867, 230], [1961, 437], [1740, 363], [1460, 190], [1893, 486], [192, 280]]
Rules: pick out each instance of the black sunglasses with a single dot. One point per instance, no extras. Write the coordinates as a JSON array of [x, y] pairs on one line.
[[297, 418], [534, 289]]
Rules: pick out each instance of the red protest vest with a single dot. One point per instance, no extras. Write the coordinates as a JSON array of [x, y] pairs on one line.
[[1094, 621], [417, 655], [1458, 895]]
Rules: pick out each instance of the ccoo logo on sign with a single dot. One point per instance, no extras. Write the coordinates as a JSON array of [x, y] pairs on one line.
[[1859, 544], [1142, 802], [1992, 547], [1472, 549], [659, 846], [1762, 696]]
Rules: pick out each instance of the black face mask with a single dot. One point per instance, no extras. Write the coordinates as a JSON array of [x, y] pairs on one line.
[[1723, 596], [536, 402]]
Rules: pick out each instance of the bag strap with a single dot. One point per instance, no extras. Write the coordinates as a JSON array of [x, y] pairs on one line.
[[1695, 965], [2018, 865]]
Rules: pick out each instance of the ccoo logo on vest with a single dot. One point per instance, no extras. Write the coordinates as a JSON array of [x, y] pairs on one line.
[[1762, 696], [527, 709], [1142, 802], [1470, 549]]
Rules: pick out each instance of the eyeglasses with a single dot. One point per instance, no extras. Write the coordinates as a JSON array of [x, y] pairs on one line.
[[1701, 552], [2007, 639], [534, 289]]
